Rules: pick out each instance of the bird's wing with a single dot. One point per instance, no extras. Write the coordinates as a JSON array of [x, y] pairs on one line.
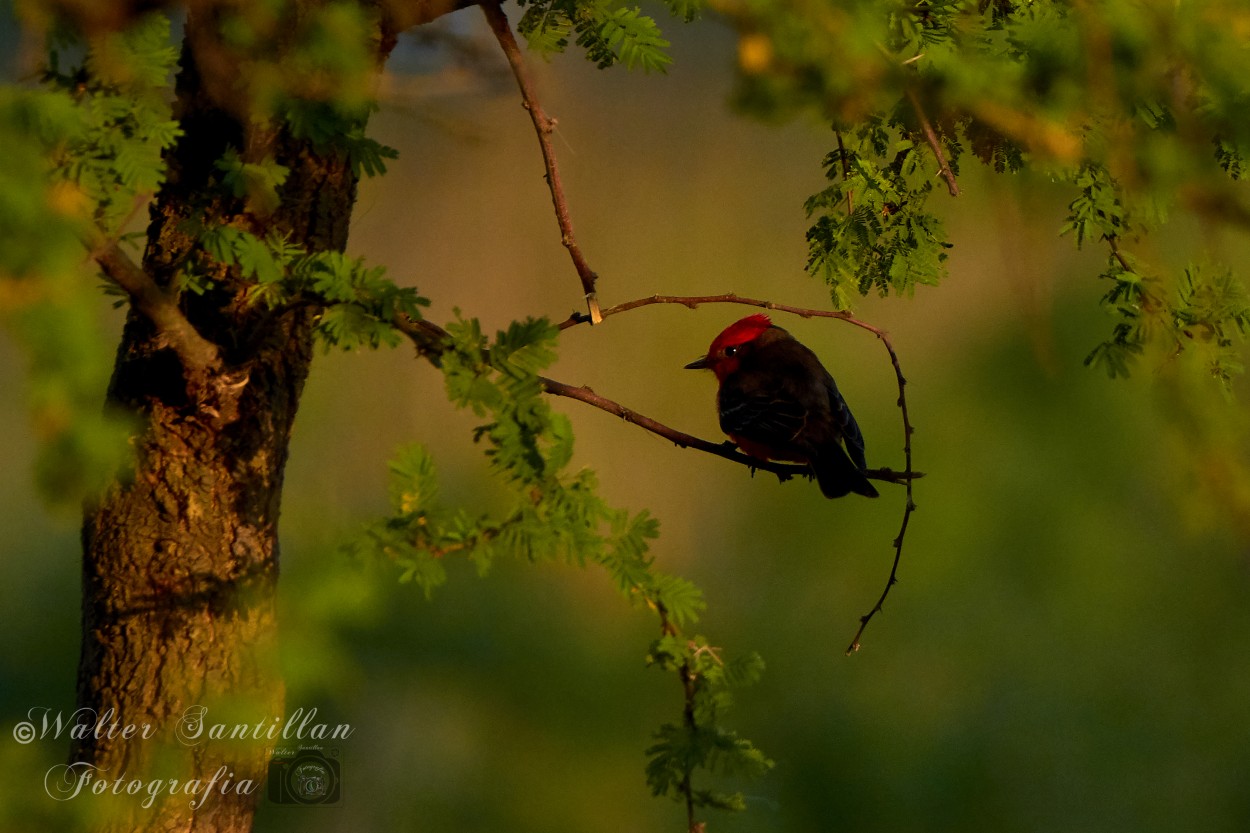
[[851, 434], [763, 418]]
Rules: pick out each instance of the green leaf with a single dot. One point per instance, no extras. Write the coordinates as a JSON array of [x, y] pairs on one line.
[[257, 182], [609, 33], [635, 39]]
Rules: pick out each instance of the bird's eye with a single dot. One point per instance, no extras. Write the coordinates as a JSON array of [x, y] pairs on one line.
[[731, 351]]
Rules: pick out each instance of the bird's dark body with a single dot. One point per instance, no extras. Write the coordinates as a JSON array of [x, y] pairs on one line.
[[770, 407]]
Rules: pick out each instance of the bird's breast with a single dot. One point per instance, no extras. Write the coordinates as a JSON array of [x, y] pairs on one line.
[[764, 452]]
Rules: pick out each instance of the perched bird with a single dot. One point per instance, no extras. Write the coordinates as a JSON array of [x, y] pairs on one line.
[[777, 402]]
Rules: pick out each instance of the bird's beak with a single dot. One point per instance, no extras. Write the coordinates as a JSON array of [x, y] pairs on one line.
[[698, 364]]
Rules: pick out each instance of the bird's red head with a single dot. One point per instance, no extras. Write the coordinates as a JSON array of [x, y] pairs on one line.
[[722, 357]]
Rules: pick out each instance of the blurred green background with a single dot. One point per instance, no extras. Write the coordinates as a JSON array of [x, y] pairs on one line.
[[1069, 644]]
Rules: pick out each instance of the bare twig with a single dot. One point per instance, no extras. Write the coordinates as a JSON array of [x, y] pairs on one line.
[[692, 301], [543, 126], [197, 353], [935, 143], [909, 506]]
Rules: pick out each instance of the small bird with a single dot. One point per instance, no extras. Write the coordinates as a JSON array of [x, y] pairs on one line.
[[777, 402]]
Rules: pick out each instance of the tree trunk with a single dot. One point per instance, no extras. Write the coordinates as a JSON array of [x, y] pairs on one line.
[[180, 558]]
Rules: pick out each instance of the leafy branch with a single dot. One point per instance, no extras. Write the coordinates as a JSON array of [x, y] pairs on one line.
[[935, 144], [1203, 307], [117, 122], [556, 514], [707, 682], [428, 336], [871, 228]]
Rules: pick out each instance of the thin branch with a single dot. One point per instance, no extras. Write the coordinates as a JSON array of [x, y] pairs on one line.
[[197, 353], [1113, 242], [543, 126], [909, 506], [429, 338], [687, 677], [935, 143], [692, 301], [726, 450], [898, 554], [846, 172]]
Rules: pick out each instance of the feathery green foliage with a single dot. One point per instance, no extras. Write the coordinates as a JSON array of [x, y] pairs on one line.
[[608, 32], [338, 128], [81, 154], [699, 742], [872, 232], [557, 514], [1139, 105], [359, 301], [122, 95], [554, 513]]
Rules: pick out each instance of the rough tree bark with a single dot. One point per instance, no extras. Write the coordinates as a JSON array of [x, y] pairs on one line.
[[180, 561]]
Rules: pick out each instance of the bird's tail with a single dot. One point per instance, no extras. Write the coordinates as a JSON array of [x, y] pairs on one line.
[[838, 476]]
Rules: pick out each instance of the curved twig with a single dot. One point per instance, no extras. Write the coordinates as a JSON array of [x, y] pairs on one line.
[[909, 506]]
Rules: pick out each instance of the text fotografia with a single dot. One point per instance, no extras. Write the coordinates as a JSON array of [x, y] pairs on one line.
[[72, 780], [193, 727]]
